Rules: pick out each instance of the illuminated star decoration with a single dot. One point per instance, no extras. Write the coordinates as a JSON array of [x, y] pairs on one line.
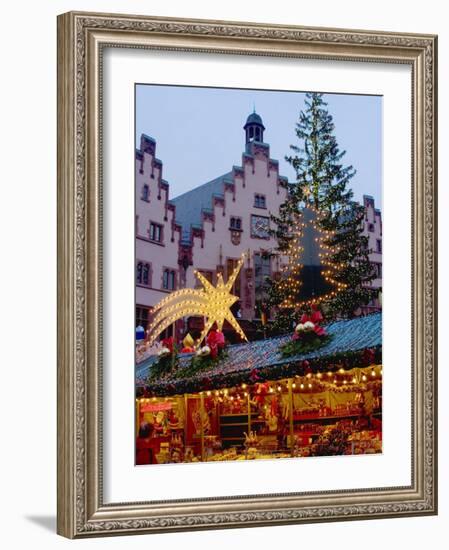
[[212, 302]]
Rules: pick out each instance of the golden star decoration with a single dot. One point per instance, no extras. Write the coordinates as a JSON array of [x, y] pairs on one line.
[[212, 302]]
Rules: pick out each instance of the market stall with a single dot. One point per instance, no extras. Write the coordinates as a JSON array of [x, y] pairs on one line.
[[253, 402]]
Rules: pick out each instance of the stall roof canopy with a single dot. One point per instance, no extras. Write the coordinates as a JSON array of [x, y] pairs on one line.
[[354, 343]]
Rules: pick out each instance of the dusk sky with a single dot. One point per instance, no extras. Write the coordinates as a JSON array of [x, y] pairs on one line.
[[199, 131]]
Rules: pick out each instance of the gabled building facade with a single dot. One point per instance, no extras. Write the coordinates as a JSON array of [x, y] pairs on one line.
[[209, 227], [230, 215], [158, 235]]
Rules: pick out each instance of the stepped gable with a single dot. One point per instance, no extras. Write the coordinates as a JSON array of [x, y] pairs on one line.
[[148, 146], [198, 205]]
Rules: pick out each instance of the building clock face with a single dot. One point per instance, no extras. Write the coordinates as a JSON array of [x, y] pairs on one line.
[[260, 227]]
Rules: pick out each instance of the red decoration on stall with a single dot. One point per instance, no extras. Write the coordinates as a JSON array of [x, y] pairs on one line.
[[369, 356], [206, 382], [169, 343], [315, 317], [216, 341], [254, 377], [155, 407], [261, 392]]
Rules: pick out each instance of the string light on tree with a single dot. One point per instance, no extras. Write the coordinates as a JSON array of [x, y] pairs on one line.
[[286, 292]]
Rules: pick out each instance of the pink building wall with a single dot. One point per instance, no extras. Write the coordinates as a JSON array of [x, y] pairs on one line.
[[372, 228], [220, 243]]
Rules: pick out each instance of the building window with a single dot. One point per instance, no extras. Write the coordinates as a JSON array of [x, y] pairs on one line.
[[260, 201], [235, 224], [146, 274], [378, 270], [143, 272], [156, 231], [371, 227], [169, 279], [146, 193], [379, 246], [142, 316], [260, 227], [262, 271]]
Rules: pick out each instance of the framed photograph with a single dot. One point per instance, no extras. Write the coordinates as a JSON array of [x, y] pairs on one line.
[[246, 274]]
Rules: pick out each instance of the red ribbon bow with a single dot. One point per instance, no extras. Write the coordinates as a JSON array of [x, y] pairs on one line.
[[215, 340], [169, 343], [314, 317]]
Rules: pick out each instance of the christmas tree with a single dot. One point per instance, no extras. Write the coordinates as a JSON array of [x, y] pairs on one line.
[[321, 187]]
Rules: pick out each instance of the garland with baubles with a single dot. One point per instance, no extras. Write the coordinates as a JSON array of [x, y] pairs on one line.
[[206, 356], [167, 366], [339, 361]]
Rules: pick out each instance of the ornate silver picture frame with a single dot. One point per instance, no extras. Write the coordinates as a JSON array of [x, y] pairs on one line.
[[82, 41]]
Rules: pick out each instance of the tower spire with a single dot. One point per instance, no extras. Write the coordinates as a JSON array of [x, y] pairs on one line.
[[254, 128]]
